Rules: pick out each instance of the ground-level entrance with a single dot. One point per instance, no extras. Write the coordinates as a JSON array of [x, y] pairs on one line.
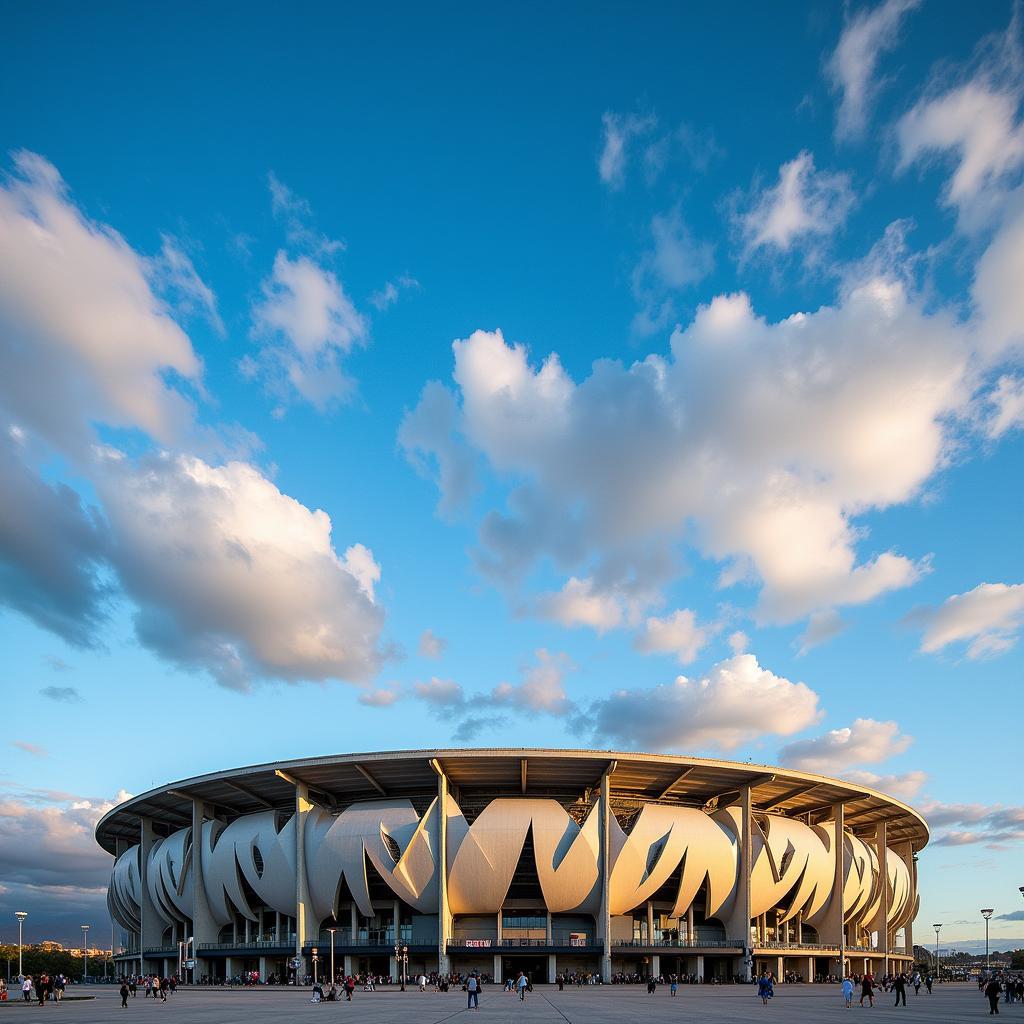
[[533, 966]]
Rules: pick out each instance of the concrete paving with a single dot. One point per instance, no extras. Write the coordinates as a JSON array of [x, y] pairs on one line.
[[545, 1005]]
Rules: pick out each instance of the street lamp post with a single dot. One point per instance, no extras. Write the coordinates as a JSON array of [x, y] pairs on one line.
[[316, 960], [986, 914], [332, 931], [20, 915], [85, 953], [401, 960], [938, 970]]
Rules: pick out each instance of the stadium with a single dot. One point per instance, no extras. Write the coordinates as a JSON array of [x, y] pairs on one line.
[[555, 861]]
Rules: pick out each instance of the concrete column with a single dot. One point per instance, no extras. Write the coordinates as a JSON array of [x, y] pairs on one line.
[[304, 925], [690, 937], [277, 926], [396, 916], [746, 865], [444, 925], [262, 934], [152, 925], [263, 970], [650, 923], [700, 967], [605, 924], [655, 965], [882, 918], [499, 980], [832, 929], [499, 927], [908, 928], [548, 926], [780, 968], [393, 968], [552, 968], [810, 969], [204, 928], [229, 968], [347, 965]]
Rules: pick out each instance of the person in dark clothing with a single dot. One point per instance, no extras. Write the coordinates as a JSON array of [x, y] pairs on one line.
[[867, 990], [992, 990], [124, 995], [900, 985]]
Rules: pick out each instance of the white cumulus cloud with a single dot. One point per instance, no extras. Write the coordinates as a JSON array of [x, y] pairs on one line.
[[988, 619], [735, 702], [542, 686], [866, 741], [678, 634], [619, 131], [805, 204], [233, 576]]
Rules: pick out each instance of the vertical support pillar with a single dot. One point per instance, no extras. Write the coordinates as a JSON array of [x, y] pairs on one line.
[[780, 969], [908, 929], [606, 919], [746, 866], [303, 907], [263, 970], [552, 968], [277, 927], [396, 916], [443, 914], [151, 924], [810, 970], [690, 937], [650, 922], [839, 882], [347, 966], [655, 966], [498, 926], [497, 975], [548, 925], [882, 919], [204, 928], [700, 967]]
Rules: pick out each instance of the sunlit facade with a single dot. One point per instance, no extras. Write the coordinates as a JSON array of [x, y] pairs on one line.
[[554, 861]]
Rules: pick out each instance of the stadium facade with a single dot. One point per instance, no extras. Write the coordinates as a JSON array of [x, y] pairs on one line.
[[554, 861]]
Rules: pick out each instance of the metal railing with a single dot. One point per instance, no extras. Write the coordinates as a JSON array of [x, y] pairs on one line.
[[676, 943], [160, 950], [285, 942], [491, 941], [796, 945]]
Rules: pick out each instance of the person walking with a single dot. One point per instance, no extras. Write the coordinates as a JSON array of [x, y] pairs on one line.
[[765, 989], [928, 984], [900, 985], [473, 992], [350, 987], [124, 994], [522, 983], [848, 992], [26, 988], [673, 984], [916, 982], [867, 989], [992, 990]]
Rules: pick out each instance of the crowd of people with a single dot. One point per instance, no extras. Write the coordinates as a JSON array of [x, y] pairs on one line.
[[1009, 985]]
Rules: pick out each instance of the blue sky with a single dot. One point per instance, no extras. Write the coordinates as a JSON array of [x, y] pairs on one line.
[[639, 378]]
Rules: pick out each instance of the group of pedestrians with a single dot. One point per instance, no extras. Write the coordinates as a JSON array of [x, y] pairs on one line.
[[44, 986], [1002, 984]]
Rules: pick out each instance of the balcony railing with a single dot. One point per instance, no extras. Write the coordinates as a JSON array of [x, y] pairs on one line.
[[675, 943], [796, 945], [491, 941], [161, 950], [285, 942]]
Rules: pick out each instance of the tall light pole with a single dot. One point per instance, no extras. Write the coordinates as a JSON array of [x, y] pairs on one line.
[[20, 915], [986, 914], [332, 931], [937, 969], [85, 953]]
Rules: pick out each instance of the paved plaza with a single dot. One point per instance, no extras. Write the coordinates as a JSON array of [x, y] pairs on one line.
[[545, 1005]]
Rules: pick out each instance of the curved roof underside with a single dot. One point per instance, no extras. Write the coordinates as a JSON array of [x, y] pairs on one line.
[[477, 776]]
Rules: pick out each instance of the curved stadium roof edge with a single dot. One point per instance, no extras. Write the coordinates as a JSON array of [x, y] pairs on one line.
[[339, 779]]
